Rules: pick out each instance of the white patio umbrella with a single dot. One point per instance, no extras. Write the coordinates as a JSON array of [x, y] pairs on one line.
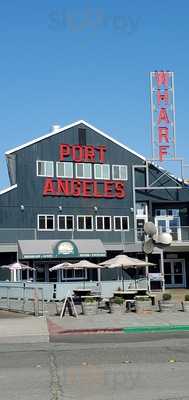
[[124, 262], [64, 265], [85, 264], [17, 266]]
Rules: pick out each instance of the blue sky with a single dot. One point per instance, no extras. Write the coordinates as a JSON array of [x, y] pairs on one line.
[[62, 61]]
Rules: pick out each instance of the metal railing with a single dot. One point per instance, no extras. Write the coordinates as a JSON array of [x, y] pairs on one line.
[[21, 298]]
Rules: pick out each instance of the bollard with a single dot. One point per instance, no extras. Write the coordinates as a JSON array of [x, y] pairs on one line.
[[159, 306], [36, 303], [182, 306]]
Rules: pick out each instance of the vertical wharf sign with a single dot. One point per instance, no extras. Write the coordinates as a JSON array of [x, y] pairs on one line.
[[163, 115], [97, 188]]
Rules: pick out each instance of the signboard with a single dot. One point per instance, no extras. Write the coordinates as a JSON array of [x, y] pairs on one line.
[[97, 188], [64, 249], [163, 115]]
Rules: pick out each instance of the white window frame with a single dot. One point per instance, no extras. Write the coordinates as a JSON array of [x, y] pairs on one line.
[[65, 216], [45, 161], [83, 177], [85, 216], [64, 176], [119, 179], [121, 218], [45, 215], [74, 278], [103, 216], [101, 165]]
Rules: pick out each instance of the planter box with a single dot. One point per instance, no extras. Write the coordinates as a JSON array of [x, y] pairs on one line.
[[145, 305], [168, 306], [186, 306], [116, 308], [89, 308]]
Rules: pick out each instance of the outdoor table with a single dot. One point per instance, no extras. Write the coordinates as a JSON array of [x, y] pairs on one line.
[[82, 292], [126, 294], [151, 297], [142, 292]]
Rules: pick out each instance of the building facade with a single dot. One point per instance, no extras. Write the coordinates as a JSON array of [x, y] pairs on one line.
[[78, 193]]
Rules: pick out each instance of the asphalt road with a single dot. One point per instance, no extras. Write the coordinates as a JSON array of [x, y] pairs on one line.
[[99, 367]]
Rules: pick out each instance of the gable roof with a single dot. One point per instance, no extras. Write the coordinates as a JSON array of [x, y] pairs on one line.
[[9, 152]]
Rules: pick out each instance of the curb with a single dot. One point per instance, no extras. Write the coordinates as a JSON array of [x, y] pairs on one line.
[[55, 330], [27, 339], [154, 329]]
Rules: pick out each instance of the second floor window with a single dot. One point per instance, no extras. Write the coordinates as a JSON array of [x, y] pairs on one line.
[[65, 222], [84, 223], [103, 223], [102, 171], [119, 172], [45, 168], [121, 223], [64, 169], [83, 170], [45, 222]]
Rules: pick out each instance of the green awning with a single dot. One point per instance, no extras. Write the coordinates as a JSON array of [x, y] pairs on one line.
[[75, 248]]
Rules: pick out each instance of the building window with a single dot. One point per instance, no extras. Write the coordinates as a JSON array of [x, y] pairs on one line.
[[83, 170], [84, 223], [64, 169], [103, 223], [119, 172], [141, 209], [73, 274], [65, 222], [45, 168], [45, 223], [102, 171], [121, 223]]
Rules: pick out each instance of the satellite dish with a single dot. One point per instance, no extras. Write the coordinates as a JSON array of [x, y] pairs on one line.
[[150, 229], [148, 246]]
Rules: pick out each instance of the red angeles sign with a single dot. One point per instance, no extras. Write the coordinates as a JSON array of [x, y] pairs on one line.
[[85, 188]]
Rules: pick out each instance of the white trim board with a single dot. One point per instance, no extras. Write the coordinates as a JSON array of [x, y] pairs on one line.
[[8, 189], [71, 126]]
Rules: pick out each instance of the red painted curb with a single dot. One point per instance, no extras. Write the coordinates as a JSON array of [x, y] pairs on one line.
[[55, 330]]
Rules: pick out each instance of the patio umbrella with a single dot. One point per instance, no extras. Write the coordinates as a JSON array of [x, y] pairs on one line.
[[64, 265], [17, 266], [85, 264], [124, 262]]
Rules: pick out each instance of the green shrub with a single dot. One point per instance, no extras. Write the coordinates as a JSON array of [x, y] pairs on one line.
[[90, 299], [142, 298], [166, 296], [186, 297], [118, 300]]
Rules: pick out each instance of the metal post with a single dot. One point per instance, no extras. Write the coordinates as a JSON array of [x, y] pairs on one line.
[[174, 119], [134, 203], [162, 270], [8, 298], [147, 273], [152, 115], [24, 296]]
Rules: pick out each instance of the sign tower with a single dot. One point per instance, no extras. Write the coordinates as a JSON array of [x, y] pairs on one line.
[[163, 129]]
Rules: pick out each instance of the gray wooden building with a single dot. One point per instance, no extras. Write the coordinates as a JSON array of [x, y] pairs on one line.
[[79, 193]]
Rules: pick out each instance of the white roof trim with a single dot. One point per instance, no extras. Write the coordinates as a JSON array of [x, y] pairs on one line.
[[8, 189], [71, 126]]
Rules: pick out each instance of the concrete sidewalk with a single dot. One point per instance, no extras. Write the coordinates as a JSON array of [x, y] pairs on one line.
[[23, 329], [115, 322]]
